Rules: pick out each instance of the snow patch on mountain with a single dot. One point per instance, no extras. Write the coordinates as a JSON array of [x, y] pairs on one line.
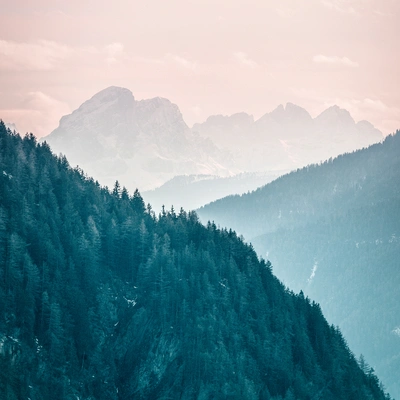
[[313, 271]]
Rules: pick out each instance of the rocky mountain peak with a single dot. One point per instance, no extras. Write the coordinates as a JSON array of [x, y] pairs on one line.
[[141, 143], [294, 112], [290, 113], [335, 115], [276, 114], [109, 97], [159, 117]]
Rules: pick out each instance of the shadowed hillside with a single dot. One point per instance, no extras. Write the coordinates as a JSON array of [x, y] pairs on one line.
[[100, 298], [333, 231]]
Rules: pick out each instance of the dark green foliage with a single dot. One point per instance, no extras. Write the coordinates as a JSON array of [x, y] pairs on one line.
[[100, 299], [349, 181], [339, 221]]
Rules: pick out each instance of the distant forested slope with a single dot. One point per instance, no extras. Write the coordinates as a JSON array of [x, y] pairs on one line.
[[333, 231], [102, 299], [348, 181]]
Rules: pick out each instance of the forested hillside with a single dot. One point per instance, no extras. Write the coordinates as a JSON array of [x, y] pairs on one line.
[[102, 299], [333, 231], [349, 181]]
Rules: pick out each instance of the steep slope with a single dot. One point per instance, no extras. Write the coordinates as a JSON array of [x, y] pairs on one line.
[[333, 231], [140, 143], [287, 137], [101, 299]]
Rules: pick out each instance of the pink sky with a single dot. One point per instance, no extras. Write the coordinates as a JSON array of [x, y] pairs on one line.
[[207, 56]]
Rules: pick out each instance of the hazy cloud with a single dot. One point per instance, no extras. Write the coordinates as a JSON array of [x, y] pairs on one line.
[[356, 7], [114, 51], [286, 12], [339, 5], [45, 55], [182, 61], [36, 112], [243, 59], [199, 68], [381, 14], [42, 55], [335, 60], [376, 104]]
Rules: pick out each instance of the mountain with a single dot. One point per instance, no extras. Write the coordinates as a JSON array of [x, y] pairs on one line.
[[288, 137], [146, 143], [101, 299], [140, 143], [333, 231], [192, 191]]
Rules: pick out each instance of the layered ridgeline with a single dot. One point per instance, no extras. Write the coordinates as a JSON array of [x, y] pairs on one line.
[[147, 143], [287, 137], [100, 298], [333, 231]]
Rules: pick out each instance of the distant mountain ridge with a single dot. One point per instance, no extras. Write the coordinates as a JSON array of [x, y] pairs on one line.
[[145, 143], [288, 137]]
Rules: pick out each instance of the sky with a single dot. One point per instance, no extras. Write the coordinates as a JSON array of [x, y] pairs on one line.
[[207, 56]]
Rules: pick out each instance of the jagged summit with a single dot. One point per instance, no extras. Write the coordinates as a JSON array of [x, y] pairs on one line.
[[277, 112], [295, 112], [290, 113], [335, 114], [110, 92], [108, 97], [367, 128], [288, 137]]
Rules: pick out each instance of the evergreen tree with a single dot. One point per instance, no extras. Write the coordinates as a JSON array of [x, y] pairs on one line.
[[101, 299]]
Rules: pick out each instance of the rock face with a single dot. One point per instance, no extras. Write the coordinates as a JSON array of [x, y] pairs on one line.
[[140, 143]]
